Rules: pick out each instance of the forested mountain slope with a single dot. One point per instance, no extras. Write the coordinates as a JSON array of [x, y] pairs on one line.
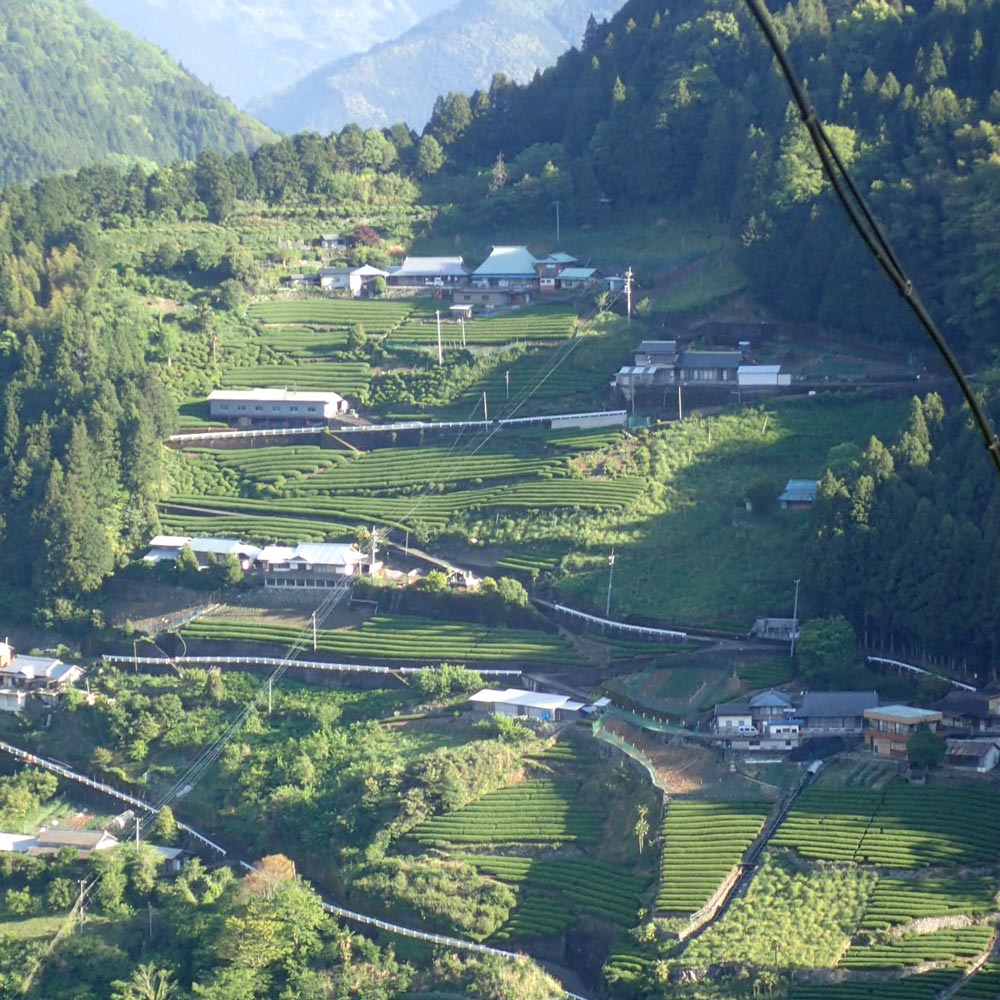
[[248, 49], [455, 50], [75, 88], [685, 104]]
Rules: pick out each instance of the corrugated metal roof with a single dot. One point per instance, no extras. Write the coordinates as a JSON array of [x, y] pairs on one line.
[[758, 369], [431, 267], [527, 699], [272, 396], [577, 273]]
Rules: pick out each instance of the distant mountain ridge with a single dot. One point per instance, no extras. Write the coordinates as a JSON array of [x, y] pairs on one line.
[[75, 88], [458, 49], [250, 49]]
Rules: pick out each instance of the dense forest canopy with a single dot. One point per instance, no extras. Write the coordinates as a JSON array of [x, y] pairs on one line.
[[75, 88]]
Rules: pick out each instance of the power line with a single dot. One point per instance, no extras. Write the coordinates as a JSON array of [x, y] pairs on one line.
[[868, 228]]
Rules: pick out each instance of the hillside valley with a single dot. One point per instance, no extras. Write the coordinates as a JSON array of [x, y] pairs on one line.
[[534, 556]]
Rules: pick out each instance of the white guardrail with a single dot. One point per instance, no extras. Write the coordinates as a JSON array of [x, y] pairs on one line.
[[606, 418], [338, 911], [912, 669], [274, 661], [100, 786], [659, 633]]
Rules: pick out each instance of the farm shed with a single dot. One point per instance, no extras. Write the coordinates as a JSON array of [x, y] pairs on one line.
[[331, 241], [835, 711], [85, 841], [751, 376], [270, 406], [798, 493], [17, 843], [489, 298], [983, 755], [888, 727], [518, 703], [577, 277], [354, 279]]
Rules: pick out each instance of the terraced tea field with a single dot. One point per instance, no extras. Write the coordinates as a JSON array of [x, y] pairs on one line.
[[528, 326], [903, 827], [375, 317], [535, 811], [348, 378], [951, 946], [702, 841], [403, 639], [898, 901], [256, 529], [603, 890], [407, 488], [924, 986]]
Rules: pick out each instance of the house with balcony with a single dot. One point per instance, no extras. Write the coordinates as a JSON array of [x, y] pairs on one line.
[[313, 565], [888, 727]]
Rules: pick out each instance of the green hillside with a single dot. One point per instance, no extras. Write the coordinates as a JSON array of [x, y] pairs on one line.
[[75, 88]]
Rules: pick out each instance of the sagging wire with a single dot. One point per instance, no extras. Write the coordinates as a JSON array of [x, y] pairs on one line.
[[868, 228]]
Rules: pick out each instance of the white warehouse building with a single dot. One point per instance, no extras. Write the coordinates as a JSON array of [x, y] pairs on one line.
[[247, 406]]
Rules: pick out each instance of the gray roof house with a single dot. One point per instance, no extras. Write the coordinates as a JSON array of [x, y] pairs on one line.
[[709, 366], [798, 493], [433, 271], [836, 711]]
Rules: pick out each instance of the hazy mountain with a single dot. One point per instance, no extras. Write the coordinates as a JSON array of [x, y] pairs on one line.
[[75, 88], [249, 49], [455, 50]]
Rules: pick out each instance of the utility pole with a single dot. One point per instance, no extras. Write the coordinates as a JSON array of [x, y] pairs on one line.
[[611, 576], [406, 546], [81, 902], [371, 568], [507, 380], [680, 404], [486, 417], [461, 320], [795, 618], [137, 833], [628, 296], [437, 314], [557, 204], [270, 684], [314, 630]]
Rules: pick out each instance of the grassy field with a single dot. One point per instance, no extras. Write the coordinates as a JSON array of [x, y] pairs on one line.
[[699, 527]]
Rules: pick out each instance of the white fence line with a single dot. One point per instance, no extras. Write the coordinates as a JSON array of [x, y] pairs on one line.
[[661, 633], [911, 668], [606, 418], [100, 786], [274, 661], [331, 908]]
